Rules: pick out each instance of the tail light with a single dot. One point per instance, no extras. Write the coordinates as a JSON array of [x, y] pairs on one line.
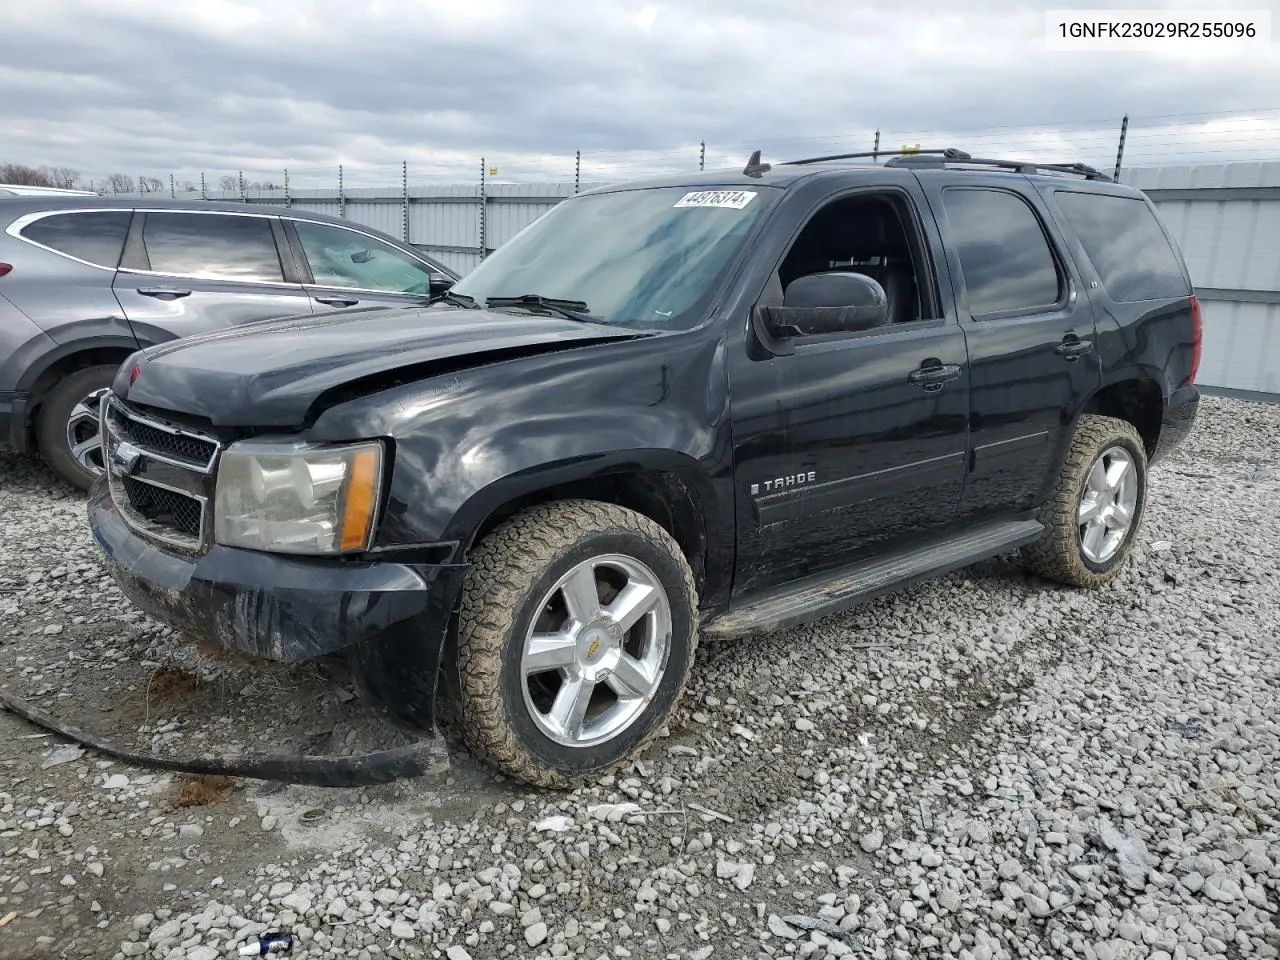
[[1197, 337], [5, 268]]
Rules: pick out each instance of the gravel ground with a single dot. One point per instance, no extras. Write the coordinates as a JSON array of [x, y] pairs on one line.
[[984, 766]]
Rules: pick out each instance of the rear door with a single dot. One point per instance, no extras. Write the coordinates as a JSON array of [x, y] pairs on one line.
[[186, 272], [1030, 333], [345, 268]]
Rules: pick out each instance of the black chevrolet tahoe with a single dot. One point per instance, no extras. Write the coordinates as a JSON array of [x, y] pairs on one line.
[[694, 406]]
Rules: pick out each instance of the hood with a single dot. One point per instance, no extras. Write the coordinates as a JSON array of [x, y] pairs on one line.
[[270, 373]]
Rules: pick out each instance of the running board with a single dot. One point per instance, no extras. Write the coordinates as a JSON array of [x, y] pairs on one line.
[[837, 590]]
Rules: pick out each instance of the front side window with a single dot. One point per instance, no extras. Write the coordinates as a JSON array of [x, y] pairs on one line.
[[96, 237], [212, 245], [649, 258], [1004, 254], [1124, 242], [345, 258]]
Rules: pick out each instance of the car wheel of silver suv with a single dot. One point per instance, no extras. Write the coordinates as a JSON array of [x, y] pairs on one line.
[[67, 431]]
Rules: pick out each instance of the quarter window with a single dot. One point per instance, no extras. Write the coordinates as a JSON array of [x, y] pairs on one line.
[[1004, 254], [1123, 240], [344, 258], [212, 245], [96, 237]]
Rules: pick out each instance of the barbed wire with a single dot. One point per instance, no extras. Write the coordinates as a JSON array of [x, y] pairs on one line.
[[1152, 139]]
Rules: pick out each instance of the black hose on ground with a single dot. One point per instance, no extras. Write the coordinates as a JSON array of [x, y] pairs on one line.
[[360, 770]]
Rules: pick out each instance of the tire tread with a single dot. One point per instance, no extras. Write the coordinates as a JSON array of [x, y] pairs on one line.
[[503, 569], [1056, 555]]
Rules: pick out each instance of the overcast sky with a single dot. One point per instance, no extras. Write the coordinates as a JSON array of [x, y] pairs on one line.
[[157, 86]]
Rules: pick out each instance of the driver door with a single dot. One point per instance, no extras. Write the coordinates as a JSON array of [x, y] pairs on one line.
[[347, 269], [851, 444]]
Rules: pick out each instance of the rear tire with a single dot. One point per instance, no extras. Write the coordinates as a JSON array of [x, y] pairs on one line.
[[575, 638], [1094, 512], [67, 427]]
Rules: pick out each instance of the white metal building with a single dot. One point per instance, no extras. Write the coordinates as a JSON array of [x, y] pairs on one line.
[[1226, 219]]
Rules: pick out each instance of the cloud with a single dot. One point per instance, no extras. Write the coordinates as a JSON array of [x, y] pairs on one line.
[[154, 87]]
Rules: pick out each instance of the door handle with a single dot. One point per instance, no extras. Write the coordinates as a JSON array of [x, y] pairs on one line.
[[1073, 348], [164, 293], [935, 375], [337, 301]]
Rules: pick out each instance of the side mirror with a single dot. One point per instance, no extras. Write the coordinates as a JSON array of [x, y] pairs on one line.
[[826, 303], [440, 282]]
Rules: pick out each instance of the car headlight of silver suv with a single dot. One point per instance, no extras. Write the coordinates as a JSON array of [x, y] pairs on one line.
[[295, 497]]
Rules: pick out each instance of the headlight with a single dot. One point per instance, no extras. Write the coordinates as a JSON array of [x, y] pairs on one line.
[[297, 497]]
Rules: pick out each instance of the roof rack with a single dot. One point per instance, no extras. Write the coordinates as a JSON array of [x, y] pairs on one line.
[[950, 155], [1018, 166]]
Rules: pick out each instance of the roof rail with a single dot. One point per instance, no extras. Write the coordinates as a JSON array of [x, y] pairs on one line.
[[949, 153], [1018, 166]]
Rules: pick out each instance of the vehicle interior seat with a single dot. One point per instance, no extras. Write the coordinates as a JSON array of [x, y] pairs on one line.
[[864, 238]]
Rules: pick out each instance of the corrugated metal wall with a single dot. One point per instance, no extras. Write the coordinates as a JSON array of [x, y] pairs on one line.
[[1226, 219]]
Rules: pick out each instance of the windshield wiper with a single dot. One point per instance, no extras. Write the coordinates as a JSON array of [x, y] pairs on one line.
[[571, 309], [459, 299]]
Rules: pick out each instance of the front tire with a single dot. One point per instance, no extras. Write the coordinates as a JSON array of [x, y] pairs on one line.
[[575, 638], [1093, 515], [67, 431]]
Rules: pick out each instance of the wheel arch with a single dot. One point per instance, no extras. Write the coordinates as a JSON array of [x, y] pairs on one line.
[[67, 359], [667, 487], [1137, 400]]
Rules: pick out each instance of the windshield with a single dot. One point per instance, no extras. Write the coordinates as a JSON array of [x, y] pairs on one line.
[[648, 258]]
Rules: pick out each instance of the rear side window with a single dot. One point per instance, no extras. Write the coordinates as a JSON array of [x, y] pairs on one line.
[[1124, 242], [1004, 255], [96, 237], [212, 245]]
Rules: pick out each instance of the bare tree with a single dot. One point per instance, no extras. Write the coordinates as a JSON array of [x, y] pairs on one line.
[[228, 182], [20, 173], [62, 177], [120, 183], [150, 184], [188, 187]]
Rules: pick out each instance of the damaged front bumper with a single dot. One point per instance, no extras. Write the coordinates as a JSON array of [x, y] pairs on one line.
[[391, 619]]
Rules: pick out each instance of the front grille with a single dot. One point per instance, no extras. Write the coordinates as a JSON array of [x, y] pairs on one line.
[[161, 475], [180, 446], [162, 441], [164, 507]]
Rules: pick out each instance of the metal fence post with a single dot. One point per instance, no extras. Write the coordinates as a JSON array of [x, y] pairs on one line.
[[702, 154], [577, 171], [172, 191], [404, 186], [243, 197], [484, 210], [1124, 129], [875, 151], [203, 194], [288, 199], [342, 196]]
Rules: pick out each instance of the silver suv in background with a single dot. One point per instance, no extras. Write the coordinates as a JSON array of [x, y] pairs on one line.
[[85, 281]]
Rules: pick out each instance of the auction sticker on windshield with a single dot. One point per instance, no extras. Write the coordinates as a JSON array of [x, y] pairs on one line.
[[732, 199]]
